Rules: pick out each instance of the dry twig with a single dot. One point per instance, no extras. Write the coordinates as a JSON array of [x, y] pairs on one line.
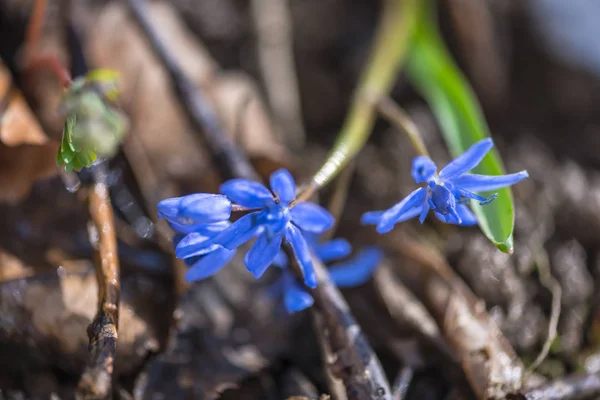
[[96, 381], [575, 387], [230, 161]]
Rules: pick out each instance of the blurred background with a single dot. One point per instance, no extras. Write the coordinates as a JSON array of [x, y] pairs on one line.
[[280, 74]]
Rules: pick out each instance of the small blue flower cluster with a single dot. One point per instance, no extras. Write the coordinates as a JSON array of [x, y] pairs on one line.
[[446, 193], [207, 240]]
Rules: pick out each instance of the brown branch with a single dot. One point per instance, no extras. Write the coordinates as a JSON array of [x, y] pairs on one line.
[[230, 160], [575, 387], [96, 381]]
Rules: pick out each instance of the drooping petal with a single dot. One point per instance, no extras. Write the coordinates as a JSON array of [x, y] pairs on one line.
[[247, 193], [240, 231], [283, 185], [194, 244], [467, 160], [358, 270], [311, 217], [423, 169], [407, 208], [466, 215], [199, 208], [333, 250], [263, 253], [295, 297], [484, 183], [302, 254], [371, 217], [209, 264]]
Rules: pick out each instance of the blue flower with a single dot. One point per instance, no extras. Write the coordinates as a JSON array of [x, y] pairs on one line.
[[273, 218], [212, 259], [353, 272], [446, 193], [195, 211]]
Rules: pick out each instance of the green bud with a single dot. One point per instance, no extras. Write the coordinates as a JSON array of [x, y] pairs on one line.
[[94, 126]]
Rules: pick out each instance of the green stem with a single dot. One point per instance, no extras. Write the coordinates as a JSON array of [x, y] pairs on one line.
[[398, 22]]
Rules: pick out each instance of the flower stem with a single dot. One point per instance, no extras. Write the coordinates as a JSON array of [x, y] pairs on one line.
[[398, 22], [391, 111]]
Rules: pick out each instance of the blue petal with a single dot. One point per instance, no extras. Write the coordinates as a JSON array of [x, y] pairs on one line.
[[358, 270], [295, 297], [247, 193], [462, 193], [468, 160], [198, 208], [423, 169], [371, 217], [424, 212], [467, 218], [209, 264], [302, 254], [240, 231], [177, 238], [283, 185], [262, 253], [205, 229], [466, 215], [407, 208], [194, 244], [484, 183], [281, 260], [169, 208], [311, 217], [333, 250], [442, 199]]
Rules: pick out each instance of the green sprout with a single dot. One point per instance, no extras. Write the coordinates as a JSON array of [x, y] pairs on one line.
[[94, 126]]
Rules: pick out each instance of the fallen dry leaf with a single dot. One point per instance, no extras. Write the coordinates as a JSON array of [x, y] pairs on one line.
[[26, 153]]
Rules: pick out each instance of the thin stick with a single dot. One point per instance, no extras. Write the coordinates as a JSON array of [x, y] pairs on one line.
[[276, 59], [337, 391], [229, 159], [401, 120], [356, 364], [575, 387], [96, 381]]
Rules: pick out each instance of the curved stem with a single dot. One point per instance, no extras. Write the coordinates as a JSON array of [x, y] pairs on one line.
[[391, 111], [398, 22]]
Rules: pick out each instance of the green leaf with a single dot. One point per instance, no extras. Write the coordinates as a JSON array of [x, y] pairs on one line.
[[435, 75]]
